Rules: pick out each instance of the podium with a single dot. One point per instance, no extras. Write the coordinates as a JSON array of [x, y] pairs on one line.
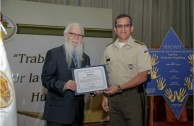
[[169, 119]]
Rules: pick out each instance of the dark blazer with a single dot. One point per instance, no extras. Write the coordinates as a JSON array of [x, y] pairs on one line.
[[61, 106]]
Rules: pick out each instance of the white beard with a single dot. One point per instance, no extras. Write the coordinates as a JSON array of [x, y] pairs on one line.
[[69, 49]]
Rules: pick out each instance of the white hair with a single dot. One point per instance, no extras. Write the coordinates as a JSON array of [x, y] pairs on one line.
[[69, 49], [72, 25]]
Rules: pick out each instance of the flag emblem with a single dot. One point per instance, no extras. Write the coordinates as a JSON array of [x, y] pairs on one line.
[[6, 89], [8, 115]]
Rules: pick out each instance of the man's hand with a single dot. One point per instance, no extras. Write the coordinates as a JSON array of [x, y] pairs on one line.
[[70, 85], [111, 90], [105, 104]]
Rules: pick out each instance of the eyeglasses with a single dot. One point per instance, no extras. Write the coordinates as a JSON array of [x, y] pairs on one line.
[[74, 35], [119, 26]]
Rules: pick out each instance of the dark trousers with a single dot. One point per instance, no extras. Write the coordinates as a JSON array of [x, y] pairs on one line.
[[126, 109]]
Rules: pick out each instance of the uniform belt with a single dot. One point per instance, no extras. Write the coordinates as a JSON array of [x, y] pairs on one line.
[[139, 88]]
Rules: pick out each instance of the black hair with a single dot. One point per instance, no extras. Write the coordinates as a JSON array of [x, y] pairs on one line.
[[122, 16]]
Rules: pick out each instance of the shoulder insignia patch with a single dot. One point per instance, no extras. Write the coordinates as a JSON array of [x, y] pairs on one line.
[[139, 42]]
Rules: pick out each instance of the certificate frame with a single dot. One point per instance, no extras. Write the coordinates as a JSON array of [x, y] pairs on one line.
[[90, 79]]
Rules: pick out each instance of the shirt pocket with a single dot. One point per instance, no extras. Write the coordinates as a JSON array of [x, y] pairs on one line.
[[112, 65], [130, 65]]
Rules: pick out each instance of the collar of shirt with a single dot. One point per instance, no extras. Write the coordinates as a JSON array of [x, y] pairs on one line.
[[128, 43]]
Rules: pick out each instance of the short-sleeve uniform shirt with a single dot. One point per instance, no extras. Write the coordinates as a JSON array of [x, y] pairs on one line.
[[124, 63]]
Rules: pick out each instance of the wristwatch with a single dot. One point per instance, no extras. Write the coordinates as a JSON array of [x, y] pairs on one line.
[[119, 89]]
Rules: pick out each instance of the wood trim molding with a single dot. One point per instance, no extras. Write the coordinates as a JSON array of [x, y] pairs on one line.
[[58, 30]]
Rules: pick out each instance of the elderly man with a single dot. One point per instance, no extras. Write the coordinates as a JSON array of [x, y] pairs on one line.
[[62, 106]]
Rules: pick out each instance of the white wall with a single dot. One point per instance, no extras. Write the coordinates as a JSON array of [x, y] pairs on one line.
[[26, 12]]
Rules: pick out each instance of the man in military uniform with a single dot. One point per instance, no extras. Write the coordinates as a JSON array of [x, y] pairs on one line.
[[127, 62]]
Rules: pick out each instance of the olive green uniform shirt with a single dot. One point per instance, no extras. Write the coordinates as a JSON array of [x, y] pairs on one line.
[[124, 63]]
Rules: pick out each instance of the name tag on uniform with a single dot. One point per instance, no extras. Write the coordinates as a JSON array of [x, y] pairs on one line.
[[107, 59]]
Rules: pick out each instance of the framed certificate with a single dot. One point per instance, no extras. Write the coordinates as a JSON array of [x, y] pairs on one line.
[[90, 79]]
